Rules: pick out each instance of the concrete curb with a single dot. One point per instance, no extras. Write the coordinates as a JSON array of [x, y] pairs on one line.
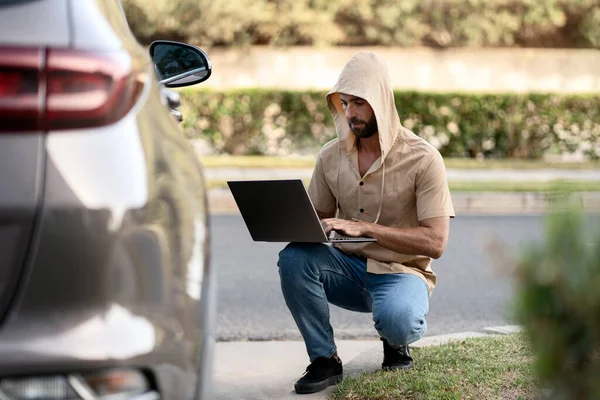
[[267, 370], [221, 202]]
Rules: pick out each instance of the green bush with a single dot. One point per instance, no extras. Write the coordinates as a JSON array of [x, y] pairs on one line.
[[439, 23], [239, 22], [460, 125], [559, 306]]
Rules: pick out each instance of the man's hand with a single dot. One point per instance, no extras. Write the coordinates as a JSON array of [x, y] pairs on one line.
[[346, 227], [428, 239]]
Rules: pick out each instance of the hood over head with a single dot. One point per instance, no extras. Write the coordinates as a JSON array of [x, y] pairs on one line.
[[366, 76]]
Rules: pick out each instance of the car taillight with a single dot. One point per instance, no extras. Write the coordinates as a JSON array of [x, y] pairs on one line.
[[57, 89], [20, 92]]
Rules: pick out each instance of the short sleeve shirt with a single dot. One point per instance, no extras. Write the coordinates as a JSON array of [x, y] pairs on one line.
[[415, 188]]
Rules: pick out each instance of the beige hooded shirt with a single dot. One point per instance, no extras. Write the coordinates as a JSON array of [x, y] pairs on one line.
[[407, 184]]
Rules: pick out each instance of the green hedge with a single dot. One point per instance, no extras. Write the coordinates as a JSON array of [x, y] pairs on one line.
[[437, 23], [515, 126]]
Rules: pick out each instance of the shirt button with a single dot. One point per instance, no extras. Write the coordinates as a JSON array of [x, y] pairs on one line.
[[362, 183], [362, 210]]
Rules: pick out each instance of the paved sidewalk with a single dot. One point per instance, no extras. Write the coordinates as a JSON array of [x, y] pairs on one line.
[[267, 370], [221, 201], [504, 175], [479, 203]]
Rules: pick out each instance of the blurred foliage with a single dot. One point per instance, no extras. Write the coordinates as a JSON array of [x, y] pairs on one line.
[[439, 23], [269, 122], [239, 22], [559, 305]]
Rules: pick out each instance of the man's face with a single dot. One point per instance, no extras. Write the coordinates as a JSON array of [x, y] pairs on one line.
[[360, 116]]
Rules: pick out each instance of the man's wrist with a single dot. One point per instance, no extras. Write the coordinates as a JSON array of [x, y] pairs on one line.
[[368, 229]]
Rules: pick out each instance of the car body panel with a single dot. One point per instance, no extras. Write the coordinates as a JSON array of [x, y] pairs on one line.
[[47, 23], [98, 26], [119, 258], [21, 160], [117, 270]]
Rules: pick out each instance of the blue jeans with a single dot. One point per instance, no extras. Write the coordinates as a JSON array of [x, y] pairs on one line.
[[314, 274]]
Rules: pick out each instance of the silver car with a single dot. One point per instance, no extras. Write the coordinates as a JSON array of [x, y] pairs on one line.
[[106, 291]]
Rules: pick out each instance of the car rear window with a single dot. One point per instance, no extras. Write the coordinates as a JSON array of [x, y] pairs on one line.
[[11, 2]]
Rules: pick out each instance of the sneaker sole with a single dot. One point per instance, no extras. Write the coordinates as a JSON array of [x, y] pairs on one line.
[[317, 387], [396, 367]]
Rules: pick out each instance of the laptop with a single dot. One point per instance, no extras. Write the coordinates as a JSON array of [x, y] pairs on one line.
[[281, 211]]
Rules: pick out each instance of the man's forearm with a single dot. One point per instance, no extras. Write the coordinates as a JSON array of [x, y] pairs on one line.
[[428, 239], [421, 240]]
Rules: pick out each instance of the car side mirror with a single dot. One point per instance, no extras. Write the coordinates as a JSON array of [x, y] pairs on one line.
[[179, 64]]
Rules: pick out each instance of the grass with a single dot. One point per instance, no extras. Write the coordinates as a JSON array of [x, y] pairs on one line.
[[539, 187], [491, 186], [458, 163], [257, 162], [483, 368]]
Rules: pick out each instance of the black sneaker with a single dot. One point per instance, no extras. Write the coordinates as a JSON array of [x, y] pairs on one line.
[[320, 374], [396, 358]]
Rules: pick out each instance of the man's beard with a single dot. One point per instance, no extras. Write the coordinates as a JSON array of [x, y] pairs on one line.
[[367, 130]]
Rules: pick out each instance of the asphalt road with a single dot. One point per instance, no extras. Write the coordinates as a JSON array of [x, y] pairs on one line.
[[473, 292]]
